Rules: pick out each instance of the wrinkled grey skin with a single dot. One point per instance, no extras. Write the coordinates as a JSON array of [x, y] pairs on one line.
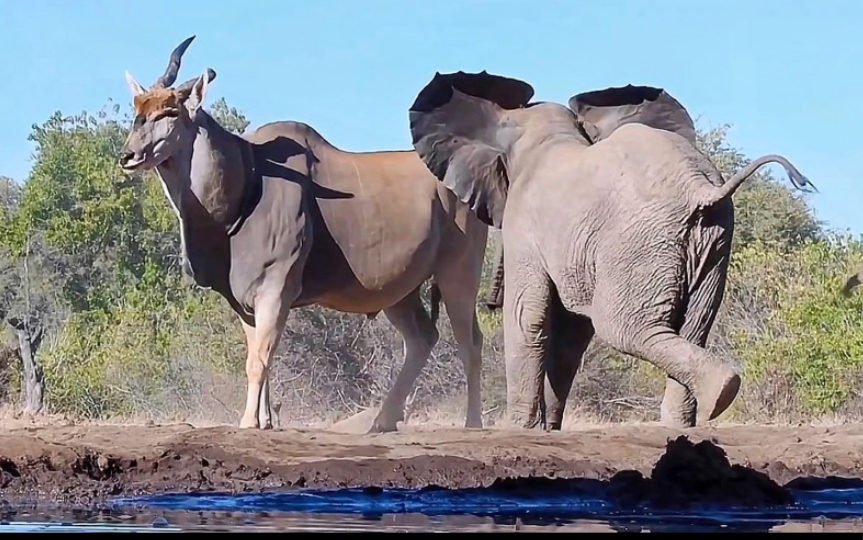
[[280, 219], [613, 225], [494, 297]]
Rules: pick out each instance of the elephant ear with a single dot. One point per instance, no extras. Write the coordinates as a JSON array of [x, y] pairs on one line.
[[454, 124], [603, 111]]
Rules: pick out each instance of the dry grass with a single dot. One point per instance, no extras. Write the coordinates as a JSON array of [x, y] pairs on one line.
[[332, 366]]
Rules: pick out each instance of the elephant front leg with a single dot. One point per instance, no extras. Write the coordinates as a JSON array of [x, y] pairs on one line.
[[526, 344], [678, 408]]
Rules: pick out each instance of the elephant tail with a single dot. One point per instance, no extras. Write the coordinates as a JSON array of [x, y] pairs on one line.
[[852, 284], [715, 194], [435, 302], [494, 297]]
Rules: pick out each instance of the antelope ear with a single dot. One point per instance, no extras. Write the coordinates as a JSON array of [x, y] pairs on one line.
[[454, 124], [198, 93], [606, 110], [134, 87]]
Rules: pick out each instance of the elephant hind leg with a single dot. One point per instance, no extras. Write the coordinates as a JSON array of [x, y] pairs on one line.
[[714, 384], [420, 336], [679, 405], [570, 336], [637, 317]]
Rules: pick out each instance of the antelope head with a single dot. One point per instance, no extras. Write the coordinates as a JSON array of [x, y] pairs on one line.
[[164, 116]]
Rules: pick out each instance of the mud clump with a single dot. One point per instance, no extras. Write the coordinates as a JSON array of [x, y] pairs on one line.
[[8, 472], [697, 474], [686, 475], [97, 467]]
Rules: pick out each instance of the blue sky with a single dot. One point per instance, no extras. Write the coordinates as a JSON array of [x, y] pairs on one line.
[[785, 74]]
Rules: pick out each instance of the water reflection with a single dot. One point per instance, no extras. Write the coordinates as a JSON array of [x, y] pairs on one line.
[[205, 521], [529, 506], [429, 510]]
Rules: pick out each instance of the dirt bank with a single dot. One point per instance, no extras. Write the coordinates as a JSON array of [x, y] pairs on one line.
[[85, 463]]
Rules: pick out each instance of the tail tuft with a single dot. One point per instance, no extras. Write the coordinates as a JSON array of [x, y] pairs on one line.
[[718, 193]]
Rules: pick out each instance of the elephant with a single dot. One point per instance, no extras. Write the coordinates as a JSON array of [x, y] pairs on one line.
[[613, 225]]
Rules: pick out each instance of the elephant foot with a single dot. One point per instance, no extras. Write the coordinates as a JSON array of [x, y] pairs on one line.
[[527, 421], [554, 426], [554, 416], [678, 409], [380, 427], [716, 390], [676, 421]]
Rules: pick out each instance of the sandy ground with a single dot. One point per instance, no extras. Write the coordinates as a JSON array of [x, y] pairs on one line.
[[80, 463]]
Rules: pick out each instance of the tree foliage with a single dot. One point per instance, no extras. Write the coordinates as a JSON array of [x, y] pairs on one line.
[[92, 255], [229, 117], [106, 247]]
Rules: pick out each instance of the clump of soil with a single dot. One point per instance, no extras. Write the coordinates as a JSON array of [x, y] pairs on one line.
[[685, 475], [698, 474]]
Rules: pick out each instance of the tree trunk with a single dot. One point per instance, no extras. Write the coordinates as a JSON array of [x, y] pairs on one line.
[[33, 378]]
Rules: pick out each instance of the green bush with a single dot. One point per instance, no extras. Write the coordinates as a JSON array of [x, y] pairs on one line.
[[813, 337], [91, 256]]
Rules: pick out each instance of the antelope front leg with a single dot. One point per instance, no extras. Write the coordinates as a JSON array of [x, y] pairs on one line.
[[271, 313], [250, 417], [265, 418]]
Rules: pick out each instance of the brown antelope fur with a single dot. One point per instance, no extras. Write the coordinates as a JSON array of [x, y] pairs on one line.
[[279, 219]]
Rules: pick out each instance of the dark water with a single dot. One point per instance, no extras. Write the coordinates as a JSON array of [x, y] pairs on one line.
[[432, 510]]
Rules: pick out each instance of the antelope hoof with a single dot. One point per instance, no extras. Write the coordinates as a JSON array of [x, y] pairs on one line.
[[249, 423]]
